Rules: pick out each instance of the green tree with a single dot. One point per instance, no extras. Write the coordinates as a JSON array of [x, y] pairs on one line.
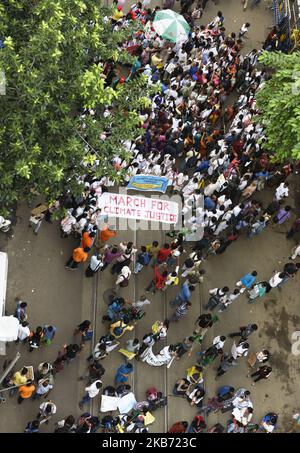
[[279, 104], [53, 58]]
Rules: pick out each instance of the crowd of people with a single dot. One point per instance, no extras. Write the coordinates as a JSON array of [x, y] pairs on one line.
[[210, 150]]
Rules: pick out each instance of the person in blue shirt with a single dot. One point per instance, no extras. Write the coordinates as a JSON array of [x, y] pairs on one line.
[[114, 308], [209, 203], [122, 373], [225, 392], [247, 281], [268, 422], [49, 333], [32, 427], [203, 166], [20, 312], [184, 294]]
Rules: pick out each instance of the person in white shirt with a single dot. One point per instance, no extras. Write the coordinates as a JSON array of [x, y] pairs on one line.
[[296, 253], [92, 391], [240, 350], [43, 388], [243, 416], [219, 341], [47, 409], [244, 29], [231, 298], [275, 280], [282, 191], [23, 332], [141, 302]]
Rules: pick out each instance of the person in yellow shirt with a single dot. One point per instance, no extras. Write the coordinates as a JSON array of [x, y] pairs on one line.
[[80, 255], [156, 61], [19, 378], [117, 14]]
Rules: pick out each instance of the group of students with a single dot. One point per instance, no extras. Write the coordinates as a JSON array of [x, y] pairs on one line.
[[206, 151]]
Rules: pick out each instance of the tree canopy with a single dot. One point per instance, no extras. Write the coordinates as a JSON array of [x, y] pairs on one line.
[[53, 58], [279, 103]]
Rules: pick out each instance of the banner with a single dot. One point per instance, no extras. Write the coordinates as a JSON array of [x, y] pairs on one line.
[[147, 183], [140, 208]]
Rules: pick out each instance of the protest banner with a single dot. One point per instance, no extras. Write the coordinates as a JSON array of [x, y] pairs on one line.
[[140, 208], [147, 183]]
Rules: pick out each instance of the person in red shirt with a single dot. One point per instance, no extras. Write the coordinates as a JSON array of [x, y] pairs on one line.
[[179, 427], [163, 254], [158, 281], [79, 255]]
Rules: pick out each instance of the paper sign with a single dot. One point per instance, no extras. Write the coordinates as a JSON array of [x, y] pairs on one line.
[[140, 208]]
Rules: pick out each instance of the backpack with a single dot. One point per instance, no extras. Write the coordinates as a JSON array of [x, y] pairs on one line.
[[192, 161], [118, 331], [124, 283]]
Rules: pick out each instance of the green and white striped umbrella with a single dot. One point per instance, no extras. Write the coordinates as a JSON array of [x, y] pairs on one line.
[[171, 26]]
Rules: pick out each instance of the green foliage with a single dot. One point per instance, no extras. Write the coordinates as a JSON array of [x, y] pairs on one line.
[[53, 62], [279, 103]]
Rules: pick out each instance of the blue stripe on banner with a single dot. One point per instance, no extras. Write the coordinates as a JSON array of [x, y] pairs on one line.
[[147, 183]]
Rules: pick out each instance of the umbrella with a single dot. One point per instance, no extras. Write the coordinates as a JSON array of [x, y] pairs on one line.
[[171, 26]]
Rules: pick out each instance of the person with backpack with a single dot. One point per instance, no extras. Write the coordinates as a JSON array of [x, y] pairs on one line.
[[184, 294], [218, 296], [95, 264], [119, 328], [123, 277], [143, 259], [114, 309]]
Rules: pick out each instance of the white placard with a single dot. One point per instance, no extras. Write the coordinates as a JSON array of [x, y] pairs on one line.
[[140, 208]]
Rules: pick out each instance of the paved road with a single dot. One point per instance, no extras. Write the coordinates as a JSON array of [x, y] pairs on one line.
[[36, 272]]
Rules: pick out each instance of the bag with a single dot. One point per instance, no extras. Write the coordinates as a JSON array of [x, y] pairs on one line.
[[192, 162], [118, 331], [124, 283], [189, 263], [214, 301]]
